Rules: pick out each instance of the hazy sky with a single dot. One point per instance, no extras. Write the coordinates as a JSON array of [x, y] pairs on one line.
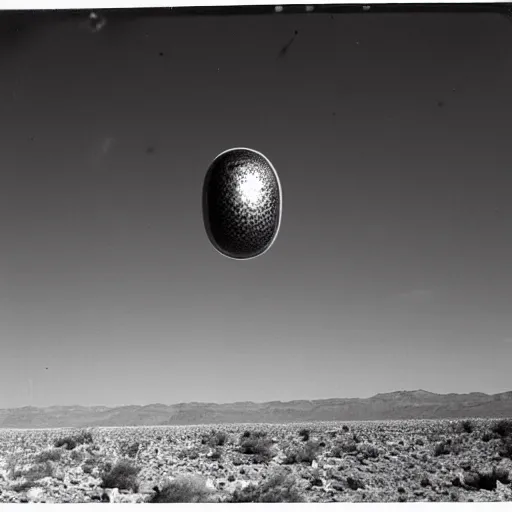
[[391, 136]]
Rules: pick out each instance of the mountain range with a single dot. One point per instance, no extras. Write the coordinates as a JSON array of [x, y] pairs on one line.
[[398, 405]]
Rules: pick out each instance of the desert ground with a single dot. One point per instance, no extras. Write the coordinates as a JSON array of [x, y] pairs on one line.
[[395, 461]]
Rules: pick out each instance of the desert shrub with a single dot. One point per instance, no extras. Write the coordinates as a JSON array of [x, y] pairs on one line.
[[305, 453], [188, 453], [105, 466], [278, 488], [39, 471], [15, 473], [122, 475], [220, 439], [257, 434], [446, 447], [84, 437], [368, 450], [215, 438], [49, 455], [441, 448], [87, 467], [216, 455], [466, 426], [305, 433], [487, 436], [184, 489], [355, 483], [425, 482], [35, 472], [23, 486], [486, 479], [345, 428], [502, 475], [340, 448], [456, 482], [66, 442], [316, 482], [127, 449], [77, 456], [257, 445], [72, 441], [506, 449], [503, 428]]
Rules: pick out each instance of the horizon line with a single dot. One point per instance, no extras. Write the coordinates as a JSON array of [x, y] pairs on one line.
[[255, 402]]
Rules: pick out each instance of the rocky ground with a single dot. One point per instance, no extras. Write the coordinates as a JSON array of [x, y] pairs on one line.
[[322, 462]]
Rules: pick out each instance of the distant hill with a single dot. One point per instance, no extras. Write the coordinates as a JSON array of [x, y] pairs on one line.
[[384, 406]]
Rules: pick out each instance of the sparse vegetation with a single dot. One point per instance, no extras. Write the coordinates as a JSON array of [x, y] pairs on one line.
[[88, 466], [306, 453], [122, 475], [23, 486], [184, 489], [487, 436], [258, 445], [128, 449], [188, 454], [486, 479], [215, 438], [304, 434], [279, 488], [39, 470], [216, 454], [465, 426], [503, 428], [506, 449], [355, 483], [341, 448], [425, 482], [66, 442], [84, 437], [447, 447], [49, 455], [442, 448], [71, 442], [368, 450], [459, 460]]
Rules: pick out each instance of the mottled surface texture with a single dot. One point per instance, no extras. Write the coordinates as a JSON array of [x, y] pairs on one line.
[[317, 462], [241, 203]]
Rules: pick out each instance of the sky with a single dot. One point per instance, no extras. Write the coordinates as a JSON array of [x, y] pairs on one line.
[[390, 134]]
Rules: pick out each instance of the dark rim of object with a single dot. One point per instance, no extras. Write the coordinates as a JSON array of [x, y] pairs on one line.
[[237, 10]]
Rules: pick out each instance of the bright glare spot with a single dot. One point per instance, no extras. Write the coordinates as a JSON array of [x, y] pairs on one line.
[[251, 189]]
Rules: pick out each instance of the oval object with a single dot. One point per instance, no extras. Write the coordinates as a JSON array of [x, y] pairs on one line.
[[242, 203]]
